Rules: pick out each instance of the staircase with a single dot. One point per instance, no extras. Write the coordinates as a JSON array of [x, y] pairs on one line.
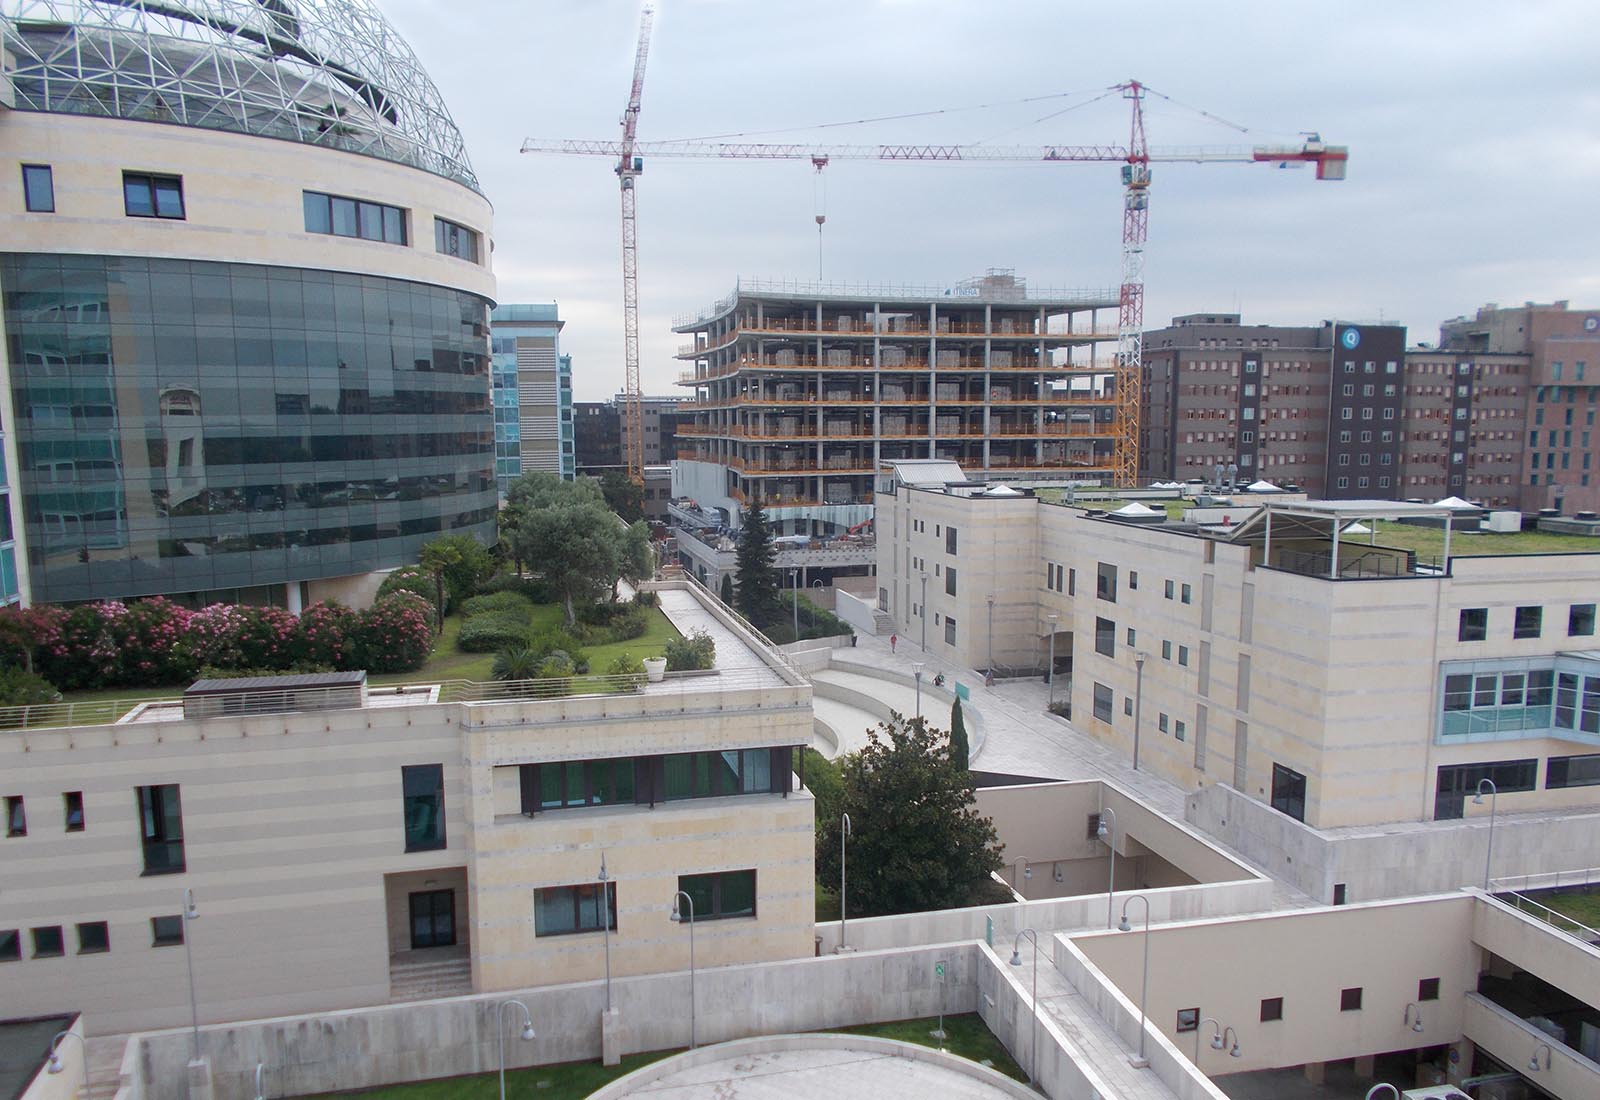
[[882, 623], [424, 975], [105, 1066]]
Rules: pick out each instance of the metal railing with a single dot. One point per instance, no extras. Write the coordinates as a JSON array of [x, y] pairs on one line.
[[1517, 898]]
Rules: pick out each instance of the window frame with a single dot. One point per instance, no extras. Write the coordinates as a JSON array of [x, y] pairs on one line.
[[447, 238], [72, 804], [16, 815], [1473, 624], [949, 630], [38, 940], [578, 891], [170, 939], [1528, 622], [716, 881], [105, 937], [155, 827], [28, 190], [362, 211], [409, 800], [1580, 620], [1350, 999], [1105, 637], [152, 183], [1105, 581], [1109, 701], [1289, 789], [1271, 1010], [1427, 989], [10, 945]]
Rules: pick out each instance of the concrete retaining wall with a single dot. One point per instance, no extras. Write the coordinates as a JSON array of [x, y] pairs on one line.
[[859, 612], [1402, 860], [387, 1044]]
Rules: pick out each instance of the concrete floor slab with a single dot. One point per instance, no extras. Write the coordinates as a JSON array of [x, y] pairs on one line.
[[838, 1074]]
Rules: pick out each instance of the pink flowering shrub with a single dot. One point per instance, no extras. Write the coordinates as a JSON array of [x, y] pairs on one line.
[[149, 635], [326, 636], [395, 634]]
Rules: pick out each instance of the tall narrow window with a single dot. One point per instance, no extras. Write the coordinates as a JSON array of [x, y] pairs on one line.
[[16, 816], [147, 196], [72, 808], [38, 189], [1289, 792], [423, 790], [949, 540], [161, 829]]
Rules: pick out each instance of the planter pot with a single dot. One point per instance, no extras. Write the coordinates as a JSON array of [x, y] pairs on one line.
[[655, 669]]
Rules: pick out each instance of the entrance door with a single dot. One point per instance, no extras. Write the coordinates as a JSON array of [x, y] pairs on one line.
[[433, 918]]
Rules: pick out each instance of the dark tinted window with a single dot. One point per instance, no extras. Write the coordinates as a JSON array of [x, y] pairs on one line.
[[1528, 623], [1428, 989], [10, 945], [1474, 626], [719, 896], [1580, 620], [48, 942], [1105, 637], [161, 829], [1572, 771], [1102, 702], [72, 808], [147, 196], [1289, 792], [38, 189], [423, 793], [166, 931], [562, 910], [1105, 585], [1271, 1009], [93, 937], [1350, 999]]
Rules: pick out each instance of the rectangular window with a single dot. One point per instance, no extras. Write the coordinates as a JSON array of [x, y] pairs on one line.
[[1474, 626], [450, 239], [1183, 656], [147, 196], [566, 910], [1133, 580], [93, 938], [1188, 1019], [1133, 638], [48, 943], [166, 931], [1168, 591], [16, 816], [1350, 999], [10, 945], [344, 217], [1271, 1009], [949, 631], [1072, 582], [1105, 585], [1178, 730], [949, 540], [950, 581], [1166, 649], [1428, 989], [422, 792], [1288, 792], [1186, 594], [1528, 622], [1105, 637], [72, 807], [161, 829], [1102, 702], [1580, 620], [721, 896], [577, 783], [1572, 771], [38, 189]]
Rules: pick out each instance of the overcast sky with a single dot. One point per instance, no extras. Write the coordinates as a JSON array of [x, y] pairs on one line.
[[1474, 135]]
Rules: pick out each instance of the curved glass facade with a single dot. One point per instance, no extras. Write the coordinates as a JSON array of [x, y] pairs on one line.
[[186, 426]]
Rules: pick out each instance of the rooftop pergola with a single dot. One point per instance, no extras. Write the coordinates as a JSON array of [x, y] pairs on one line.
[[1326, 520]]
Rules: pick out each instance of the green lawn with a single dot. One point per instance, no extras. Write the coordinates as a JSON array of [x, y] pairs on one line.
[[1429, 541], [1581, 907], [967, 1034]]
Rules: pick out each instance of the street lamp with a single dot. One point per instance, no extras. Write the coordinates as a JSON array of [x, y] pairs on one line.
[[1373, 1091], [1144, 984], [1050, 669], [1413, 1009], [1138, 701], [1219, 1036], [605, 923], [1477, 800], [916, 671], [924, 612], [1016, 960], [1533, 1063], [988, 657], [57, 1065], [1021, 872], [794, 583], [190, 915], [690, 903], [1110, 837], [500, 1035], [844, 834]]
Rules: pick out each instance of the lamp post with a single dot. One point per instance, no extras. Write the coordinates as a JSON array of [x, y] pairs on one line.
[[1218, 1038], [916, 671], [190, 915], [690, 903], [1533, 1063], [1477, 800], [924, 607], [794, 583], [1110, 837], [1138, 701], [844, 834], [1144, 983], [261, 1093], [988, 655], [56, 1065], [500, 1035], [605, 923], [1381, 1085], [1016, 960], [1412, 1009], [1022, 870], [1050, 669]]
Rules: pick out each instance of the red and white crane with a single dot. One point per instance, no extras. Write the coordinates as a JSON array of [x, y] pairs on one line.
[[1135, 158]]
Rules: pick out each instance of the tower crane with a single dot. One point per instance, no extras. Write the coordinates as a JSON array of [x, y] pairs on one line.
[[629, 165], [1135, 157]]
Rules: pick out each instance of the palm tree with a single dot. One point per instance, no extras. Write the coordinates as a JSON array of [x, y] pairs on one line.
[[515, 663]]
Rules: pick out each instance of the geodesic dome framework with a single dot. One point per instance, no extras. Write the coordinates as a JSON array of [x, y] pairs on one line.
[[322, 72]]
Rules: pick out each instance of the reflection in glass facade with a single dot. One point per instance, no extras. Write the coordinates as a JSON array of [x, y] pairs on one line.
[[187, 426]]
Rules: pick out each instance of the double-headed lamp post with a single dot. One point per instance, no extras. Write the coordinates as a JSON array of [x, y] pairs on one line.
[[56, 1065], [1016, 960], [844, 835], [1050, 669], [1219, 1037], [688, 901], [1477, 800], [500, 1034], [1110, 838], [1144, 983]]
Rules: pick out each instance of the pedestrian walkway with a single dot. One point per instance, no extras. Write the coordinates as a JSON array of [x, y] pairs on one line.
[[686, 613]]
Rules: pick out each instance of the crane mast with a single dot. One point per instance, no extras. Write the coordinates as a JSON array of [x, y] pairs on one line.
[[1130, 299], [629, 166]]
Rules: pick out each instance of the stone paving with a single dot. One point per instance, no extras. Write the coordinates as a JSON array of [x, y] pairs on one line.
[[838, 1074], [733, 655]]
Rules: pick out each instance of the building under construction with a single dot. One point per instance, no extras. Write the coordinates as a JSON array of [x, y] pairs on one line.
[[802, 392]]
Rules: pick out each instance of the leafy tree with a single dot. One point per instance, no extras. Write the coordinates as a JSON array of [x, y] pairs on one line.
[[958, 736], [637, 559], [623, 496], [566, 530], [465, 576], [916, 841], [758, 595], [438, 556]]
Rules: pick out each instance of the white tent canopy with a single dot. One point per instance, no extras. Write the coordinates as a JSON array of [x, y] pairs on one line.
[[1263, 487]]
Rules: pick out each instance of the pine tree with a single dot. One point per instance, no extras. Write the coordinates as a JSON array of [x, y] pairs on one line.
[[958, 737], [758, 594]]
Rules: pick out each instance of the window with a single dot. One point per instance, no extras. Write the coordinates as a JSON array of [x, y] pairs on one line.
[[720, 896], [1188, 1019], [1186, 594], [16, 816], [1166, 649], [146, 196], [1474, 625], [1168, 590], [422, 787], [713, 774], [161, 829], [1072, 582], [455, 240], [1350, 999], [577, 783], [1133, 579], [1183, 656], [1178, 730], [1528, 622], [1572, 771], [949, 540], [565, 910], [343, 217], [1164, 724], [1288, 792], [93, 938], [1133, 637], [1127, 705], [166, 931], [1339, 893], [10, 945], [950, 581], [1271, 1009], [949, 630], [48, 943], [72, 805], [1105, 585], [1102, 702], [1580, 620], [1428, 989], [1105, 637], [38, 189]]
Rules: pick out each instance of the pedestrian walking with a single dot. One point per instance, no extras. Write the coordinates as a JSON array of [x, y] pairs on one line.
[[893, 638]]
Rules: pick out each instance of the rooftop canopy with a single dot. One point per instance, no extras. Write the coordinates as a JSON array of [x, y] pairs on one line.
[[1328, 521]]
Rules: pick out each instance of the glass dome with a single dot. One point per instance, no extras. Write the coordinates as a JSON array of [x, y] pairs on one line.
[[322, 72]]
